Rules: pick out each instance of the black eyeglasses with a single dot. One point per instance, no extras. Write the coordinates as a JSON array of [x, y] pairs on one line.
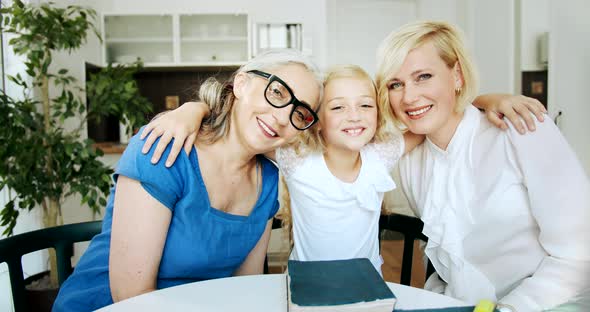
[[279, 95]]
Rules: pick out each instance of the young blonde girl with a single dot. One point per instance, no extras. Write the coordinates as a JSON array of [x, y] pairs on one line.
[[337, 173]]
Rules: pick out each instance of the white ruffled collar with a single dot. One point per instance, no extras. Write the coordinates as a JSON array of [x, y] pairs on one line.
[[447, 213]]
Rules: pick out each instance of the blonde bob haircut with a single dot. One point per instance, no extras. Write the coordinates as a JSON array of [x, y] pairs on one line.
[[219, 96], [447, 39], [312, 141]]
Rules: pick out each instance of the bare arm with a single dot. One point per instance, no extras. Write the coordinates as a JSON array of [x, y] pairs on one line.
[[254, 263], [514, 107], [139, 228], [181, 124]]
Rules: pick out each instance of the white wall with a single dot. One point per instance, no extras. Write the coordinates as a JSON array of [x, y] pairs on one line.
[[569, 65], [491, 30], [534, 21], [355, 28]]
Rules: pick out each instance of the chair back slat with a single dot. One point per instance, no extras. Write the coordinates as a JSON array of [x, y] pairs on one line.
[[61, 238], [411, 228]]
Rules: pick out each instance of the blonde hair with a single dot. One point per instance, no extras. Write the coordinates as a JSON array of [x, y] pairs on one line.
[[447, 39], [312, 141], [220, 98]]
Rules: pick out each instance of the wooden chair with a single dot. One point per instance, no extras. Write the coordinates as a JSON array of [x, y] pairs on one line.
[[411, 228], [61, 238], [276, 224]]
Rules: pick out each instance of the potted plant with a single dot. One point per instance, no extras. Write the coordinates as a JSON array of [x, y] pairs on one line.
[[43, 161]]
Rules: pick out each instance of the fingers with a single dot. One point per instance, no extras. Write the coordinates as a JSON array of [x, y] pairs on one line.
[[146, 130], [164, 140], [496, 120], [174, 151], [525, 114], [536, 107], [153, 136], [190, 142], [514, 118]]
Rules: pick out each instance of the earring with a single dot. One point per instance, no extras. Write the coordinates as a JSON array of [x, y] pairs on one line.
[[458, 90]]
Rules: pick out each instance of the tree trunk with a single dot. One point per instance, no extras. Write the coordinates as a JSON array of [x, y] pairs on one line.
[[50, 217]]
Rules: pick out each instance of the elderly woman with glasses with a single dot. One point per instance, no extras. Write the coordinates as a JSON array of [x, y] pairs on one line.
[[209, 215]]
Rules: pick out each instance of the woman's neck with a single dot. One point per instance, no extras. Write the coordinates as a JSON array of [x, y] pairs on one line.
[[229, 156], [443, 136], [345, 165]]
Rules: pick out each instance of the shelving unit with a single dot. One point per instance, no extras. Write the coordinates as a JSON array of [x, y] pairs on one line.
[[177, 40]]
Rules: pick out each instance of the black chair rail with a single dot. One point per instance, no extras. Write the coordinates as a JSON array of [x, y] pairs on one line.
[[61, 238], [411, 228]]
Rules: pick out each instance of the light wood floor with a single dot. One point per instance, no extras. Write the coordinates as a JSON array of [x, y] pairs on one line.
[[391, 251]]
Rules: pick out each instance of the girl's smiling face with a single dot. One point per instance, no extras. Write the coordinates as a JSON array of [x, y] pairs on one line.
[[348, 115]]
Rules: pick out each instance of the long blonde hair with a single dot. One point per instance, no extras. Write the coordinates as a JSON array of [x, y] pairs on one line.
[[219, 96], [447, 39]]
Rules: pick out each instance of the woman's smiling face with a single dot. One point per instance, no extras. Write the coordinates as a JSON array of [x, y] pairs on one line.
[[260, 126], [422, 92]]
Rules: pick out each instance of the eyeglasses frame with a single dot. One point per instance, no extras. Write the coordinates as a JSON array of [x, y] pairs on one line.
[[296, 103]]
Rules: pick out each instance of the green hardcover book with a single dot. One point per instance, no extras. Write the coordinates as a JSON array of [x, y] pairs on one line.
[[339, 285]]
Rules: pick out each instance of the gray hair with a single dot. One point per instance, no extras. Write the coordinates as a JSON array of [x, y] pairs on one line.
[[219, 96]]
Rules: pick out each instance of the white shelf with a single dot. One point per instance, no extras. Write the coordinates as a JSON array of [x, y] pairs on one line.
[[194, 64], [139, 40], [177, 40], [189, 64], [212, 39]]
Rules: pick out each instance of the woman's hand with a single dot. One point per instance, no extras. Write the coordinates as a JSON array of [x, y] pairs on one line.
[[181, 124], [515, 107]]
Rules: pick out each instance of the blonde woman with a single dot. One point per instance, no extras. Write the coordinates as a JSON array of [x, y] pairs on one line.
[[207, 216], [505, 214]]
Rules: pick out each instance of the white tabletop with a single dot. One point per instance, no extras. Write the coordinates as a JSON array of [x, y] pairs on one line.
[[254, 293]]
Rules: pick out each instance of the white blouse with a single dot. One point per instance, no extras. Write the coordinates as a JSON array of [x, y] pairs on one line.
[[506, 214], [333, 219]]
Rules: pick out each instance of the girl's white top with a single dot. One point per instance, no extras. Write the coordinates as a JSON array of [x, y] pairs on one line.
[[506, 214], [332, 219]]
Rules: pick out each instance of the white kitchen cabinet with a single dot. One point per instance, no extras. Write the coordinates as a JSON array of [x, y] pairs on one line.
[[176, 40]]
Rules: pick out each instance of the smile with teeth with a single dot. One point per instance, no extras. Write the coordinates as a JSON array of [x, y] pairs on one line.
[[266, 128], [354, 131], [419, 111]]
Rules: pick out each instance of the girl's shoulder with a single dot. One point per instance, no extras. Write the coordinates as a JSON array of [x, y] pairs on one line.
[[389, 150], [289, 158]]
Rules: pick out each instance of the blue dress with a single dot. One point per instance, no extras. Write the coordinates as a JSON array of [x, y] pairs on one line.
[[202, 243]]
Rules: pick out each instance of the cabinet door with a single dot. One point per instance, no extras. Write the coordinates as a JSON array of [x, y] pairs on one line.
[[210, 39], [147, 37]]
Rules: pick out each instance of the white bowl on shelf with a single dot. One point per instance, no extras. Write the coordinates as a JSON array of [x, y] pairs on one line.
[[125, 58], [200, 58], [224, 30], [164, 58]]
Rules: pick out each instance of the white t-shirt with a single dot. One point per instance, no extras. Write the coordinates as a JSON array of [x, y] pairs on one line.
[[332, 219], [506, 215]]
